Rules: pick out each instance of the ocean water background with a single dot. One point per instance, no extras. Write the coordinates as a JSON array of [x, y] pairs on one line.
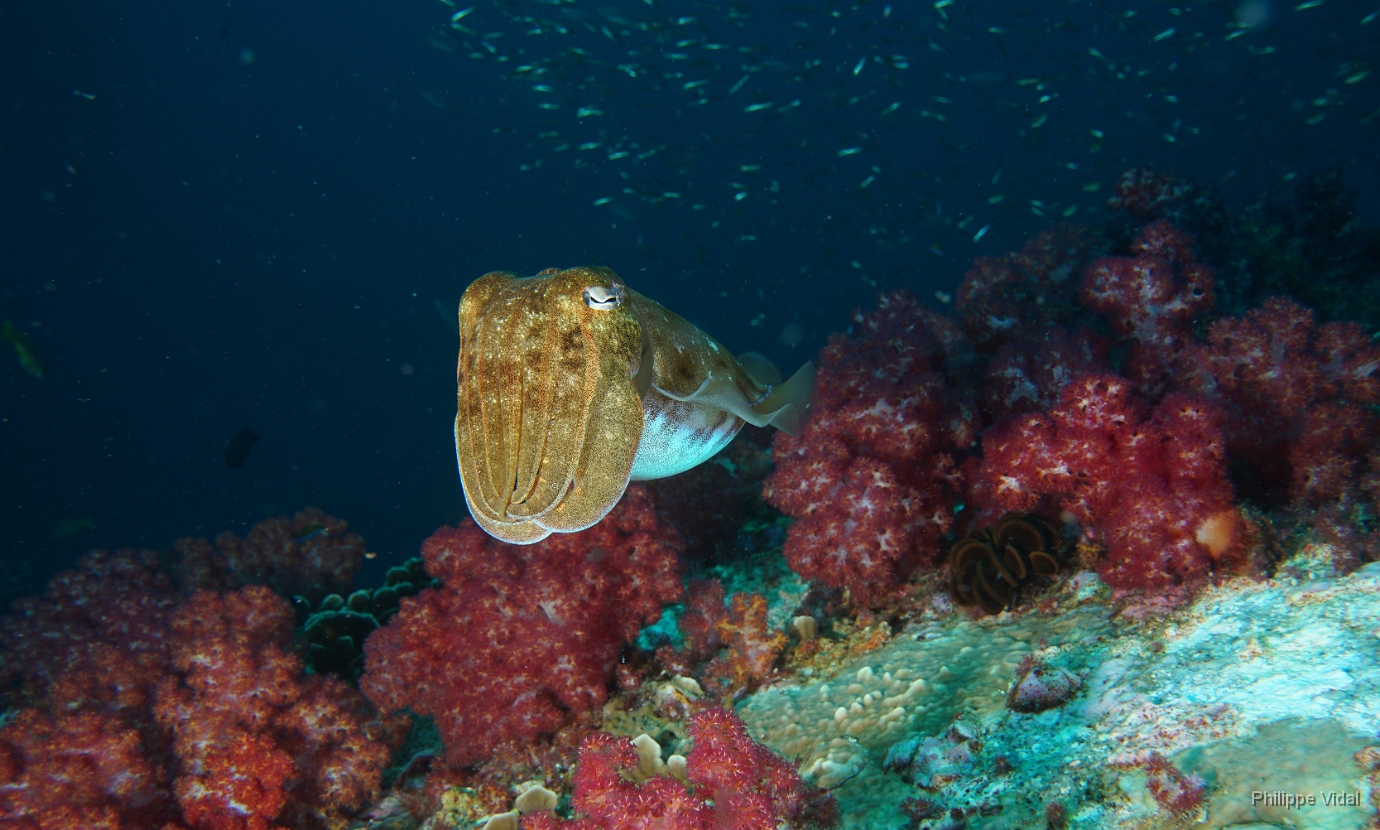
[[253, 214]]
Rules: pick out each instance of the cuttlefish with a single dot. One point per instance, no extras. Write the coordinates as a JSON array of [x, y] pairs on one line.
[[571, 385]]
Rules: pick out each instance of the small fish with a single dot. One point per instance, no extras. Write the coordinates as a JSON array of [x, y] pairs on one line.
[[455, 18], [981, 232], [68, 528], [311, 531], [24, 349], [237, 448]]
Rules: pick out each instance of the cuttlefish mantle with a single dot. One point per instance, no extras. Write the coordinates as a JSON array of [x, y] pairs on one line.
[[571, 384]]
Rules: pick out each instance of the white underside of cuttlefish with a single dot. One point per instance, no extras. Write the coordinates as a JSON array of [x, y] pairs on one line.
[[570, 385]]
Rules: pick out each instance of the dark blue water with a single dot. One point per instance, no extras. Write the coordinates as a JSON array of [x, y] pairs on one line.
[[220, 216]]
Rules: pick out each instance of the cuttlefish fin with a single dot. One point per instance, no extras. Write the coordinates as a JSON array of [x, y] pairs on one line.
[[762, 371], [789, 403], [784, 407]]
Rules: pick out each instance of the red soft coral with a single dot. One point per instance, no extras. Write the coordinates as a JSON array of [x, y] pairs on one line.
[[126, 687], [872, 480], [1028, 376], [1018, 296], [752, 646], [520, 638], [97, 639], [1151, 483], [83, 770], [1296, 393], [1142, 192], [312, 554], [257, 740], [1152, 299]]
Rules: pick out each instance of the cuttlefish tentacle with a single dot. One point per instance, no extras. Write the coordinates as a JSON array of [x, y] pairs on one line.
[[571, 384]]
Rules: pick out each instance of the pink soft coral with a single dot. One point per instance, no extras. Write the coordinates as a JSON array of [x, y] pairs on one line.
[[521, 638]]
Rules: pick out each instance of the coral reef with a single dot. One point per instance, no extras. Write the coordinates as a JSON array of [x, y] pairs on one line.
[[1240, 688], [520, 640], [1184, 468]]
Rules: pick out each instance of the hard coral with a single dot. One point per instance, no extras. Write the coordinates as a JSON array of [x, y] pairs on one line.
[[872, 480], [1152, 484], [731, 783], [338, 626], [520, 639]]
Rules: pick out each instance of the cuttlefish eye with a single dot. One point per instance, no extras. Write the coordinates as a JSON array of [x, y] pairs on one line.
[[604, 299]]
